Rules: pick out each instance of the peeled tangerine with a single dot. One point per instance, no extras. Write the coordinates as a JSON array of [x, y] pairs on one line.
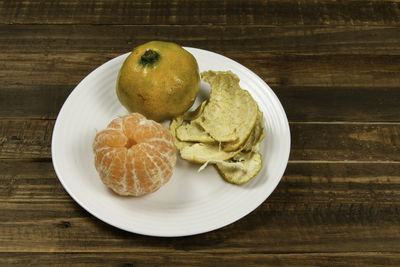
[[225, 130], [134, 156]]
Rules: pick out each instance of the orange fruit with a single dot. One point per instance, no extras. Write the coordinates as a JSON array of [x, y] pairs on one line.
[[159, 80], [134, 156]]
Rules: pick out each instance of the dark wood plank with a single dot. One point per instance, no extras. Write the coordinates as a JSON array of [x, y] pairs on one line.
[[301, 104], [340, 103], [310, 141], [33, 102], [200, 259], [100, 39], [303, 183], [272, 12], [328, 61], [30, 180], [26, 138], [314, 208], [320, 73], [353, 184], [363, 142]]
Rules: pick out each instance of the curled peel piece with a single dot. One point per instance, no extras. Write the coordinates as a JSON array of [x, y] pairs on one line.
[[225, 131], [190, 131], [203, 152], [241, 168], [196, 151], [256, 136], [230, 114]]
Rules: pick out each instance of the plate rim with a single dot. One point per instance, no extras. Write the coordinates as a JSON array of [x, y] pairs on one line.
[[69, 190]]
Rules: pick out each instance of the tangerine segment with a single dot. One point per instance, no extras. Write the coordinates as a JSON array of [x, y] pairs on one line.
[[134, 156]]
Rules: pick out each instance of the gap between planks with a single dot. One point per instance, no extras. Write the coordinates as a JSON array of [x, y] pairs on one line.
[[290, 122], [344, 161], [206, 252], [347, 122], [315, 253], [209, 25], [49, 160]]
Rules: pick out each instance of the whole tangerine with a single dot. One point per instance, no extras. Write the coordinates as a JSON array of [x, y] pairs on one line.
[[159, 80]]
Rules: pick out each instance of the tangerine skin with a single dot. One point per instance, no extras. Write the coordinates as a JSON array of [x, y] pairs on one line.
[[134, 156], [162, 88]]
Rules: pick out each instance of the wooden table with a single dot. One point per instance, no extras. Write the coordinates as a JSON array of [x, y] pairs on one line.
[[335, 66]]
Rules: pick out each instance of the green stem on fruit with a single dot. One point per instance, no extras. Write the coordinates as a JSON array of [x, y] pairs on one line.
[[149, 57]]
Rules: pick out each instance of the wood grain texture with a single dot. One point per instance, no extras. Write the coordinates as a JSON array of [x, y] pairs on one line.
[[336, 103], [26, 138], [345, 142], [289, 40], [303, 183], [334, 65], [315, 207], [201, 259], [271, 12], [320, 73], [310, 141]]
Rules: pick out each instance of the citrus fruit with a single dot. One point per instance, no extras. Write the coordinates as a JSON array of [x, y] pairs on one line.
[[133, 155], [159, 80]]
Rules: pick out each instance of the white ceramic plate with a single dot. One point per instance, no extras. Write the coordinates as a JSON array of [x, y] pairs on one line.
[[191, 202]]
